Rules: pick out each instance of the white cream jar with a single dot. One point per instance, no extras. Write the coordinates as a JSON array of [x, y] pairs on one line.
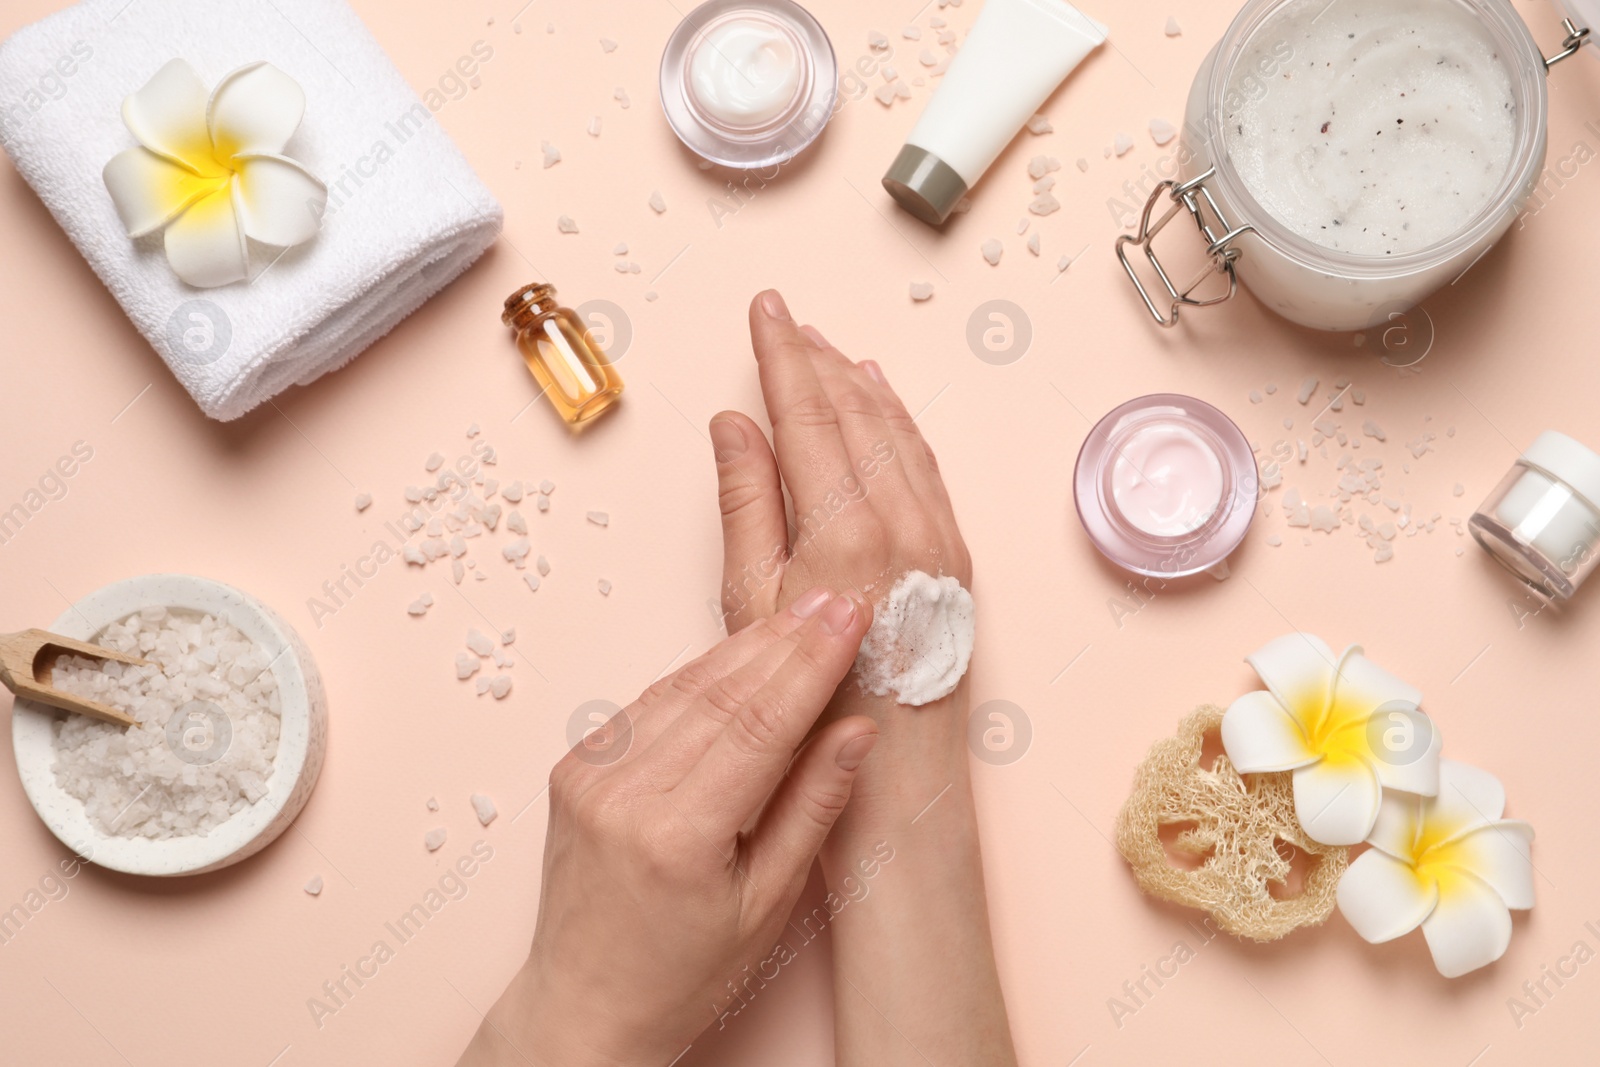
[[1346, 160], [1543, 520]]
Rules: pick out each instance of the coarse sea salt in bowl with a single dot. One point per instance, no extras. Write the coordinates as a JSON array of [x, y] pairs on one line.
[[241, 715]]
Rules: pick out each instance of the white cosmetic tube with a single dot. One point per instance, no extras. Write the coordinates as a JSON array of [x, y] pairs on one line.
[[1015, 55]]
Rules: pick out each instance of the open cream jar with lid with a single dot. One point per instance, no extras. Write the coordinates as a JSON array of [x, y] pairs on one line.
[[1346, 160]]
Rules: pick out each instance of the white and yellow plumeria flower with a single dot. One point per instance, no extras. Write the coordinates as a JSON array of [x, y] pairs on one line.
[[1345, 727], [1449, 864], [210, 169]]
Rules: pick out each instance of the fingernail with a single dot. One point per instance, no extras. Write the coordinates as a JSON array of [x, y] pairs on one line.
[[772, 303], [851, 755], [811, 603], [815, 335], [838, 615], [874, 371], [727, 439]]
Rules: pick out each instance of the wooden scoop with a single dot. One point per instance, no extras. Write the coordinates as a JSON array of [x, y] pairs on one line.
[[25, 670]]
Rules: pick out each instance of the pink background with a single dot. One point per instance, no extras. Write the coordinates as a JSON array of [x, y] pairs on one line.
[[218, 969]]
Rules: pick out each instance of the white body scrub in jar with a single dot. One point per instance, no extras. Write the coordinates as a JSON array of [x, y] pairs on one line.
[[1346, 160], [1389, 129]]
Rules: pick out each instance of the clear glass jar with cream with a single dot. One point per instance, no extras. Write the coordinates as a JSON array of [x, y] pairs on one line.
[[1543, 520], [749, 83], [1346, 160]]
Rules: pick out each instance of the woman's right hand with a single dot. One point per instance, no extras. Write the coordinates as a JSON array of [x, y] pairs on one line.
[[679, 841]]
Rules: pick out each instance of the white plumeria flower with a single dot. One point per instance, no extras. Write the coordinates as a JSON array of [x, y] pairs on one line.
[[1449, 864], [210, 169], [1346, 728]]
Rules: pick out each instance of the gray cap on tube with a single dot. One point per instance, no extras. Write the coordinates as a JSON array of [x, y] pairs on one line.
[[924, 184]]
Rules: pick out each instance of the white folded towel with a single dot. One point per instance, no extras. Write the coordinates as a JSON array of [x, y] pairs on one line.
[[401, 223]]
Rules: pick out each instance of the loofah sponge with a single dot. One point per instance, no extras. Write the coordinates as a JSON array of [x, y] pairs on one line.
[[1237, 823]]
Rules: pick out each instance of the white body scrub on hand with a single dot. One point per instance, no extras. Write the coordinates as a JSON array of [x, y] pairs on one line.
[[920, 642]]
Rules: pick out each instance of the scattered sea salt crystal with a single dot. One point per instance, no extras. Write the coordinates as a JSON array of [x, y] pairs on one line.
[[314, 886], [1083, 165], [1274, 540], [552, 154], [482, 684], [1034, 243], [1063, 263], [651, 295], [1373, 430], [435, 461], [508, 637], [512, 493], [1256, 397], [515, 523], [466, 666], [1040, 125], [432, 803], [503, 659], [1460, 490], [621, 249], [565, 224], [479, 643], [1173, 29], [1122, 145], [921, 291], [532, 580], [1045, 184], [363, 501], [992, 251], [543, 566], [516, 553], [658, 203], [457, 571], [927, 58], [1162, 131], [599, 518], [1022, 227], [607, 45], [543, 503], [500, 687], [483, 807], [594, 126], [912, 33], [1383, 553], [877, 41], [1045, 204], [547, 487], [420, 606], [605, 587], [435, 839], [1308, 389], [621, 97]]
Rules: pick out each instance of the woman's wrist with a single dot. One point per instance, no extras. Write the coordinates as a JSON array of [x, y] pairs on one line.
[[538, 1023]]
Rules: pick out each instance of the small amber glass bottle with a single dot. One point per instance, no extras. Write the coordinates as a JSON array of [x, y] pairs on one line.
[[562, 354]]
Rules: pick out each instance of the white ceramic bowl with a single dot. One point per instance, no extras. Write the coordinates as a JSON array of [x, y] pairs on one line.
[[301, 743]]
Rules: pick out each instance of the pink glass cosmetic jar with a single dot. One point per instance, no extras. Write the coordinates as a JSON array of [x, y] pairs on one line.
[[1166, 486], [1543, 520]]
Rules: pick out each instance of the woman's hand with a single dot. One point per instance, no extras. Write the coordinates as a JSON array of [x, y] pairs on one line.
[[680, 837], [869, 504]]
